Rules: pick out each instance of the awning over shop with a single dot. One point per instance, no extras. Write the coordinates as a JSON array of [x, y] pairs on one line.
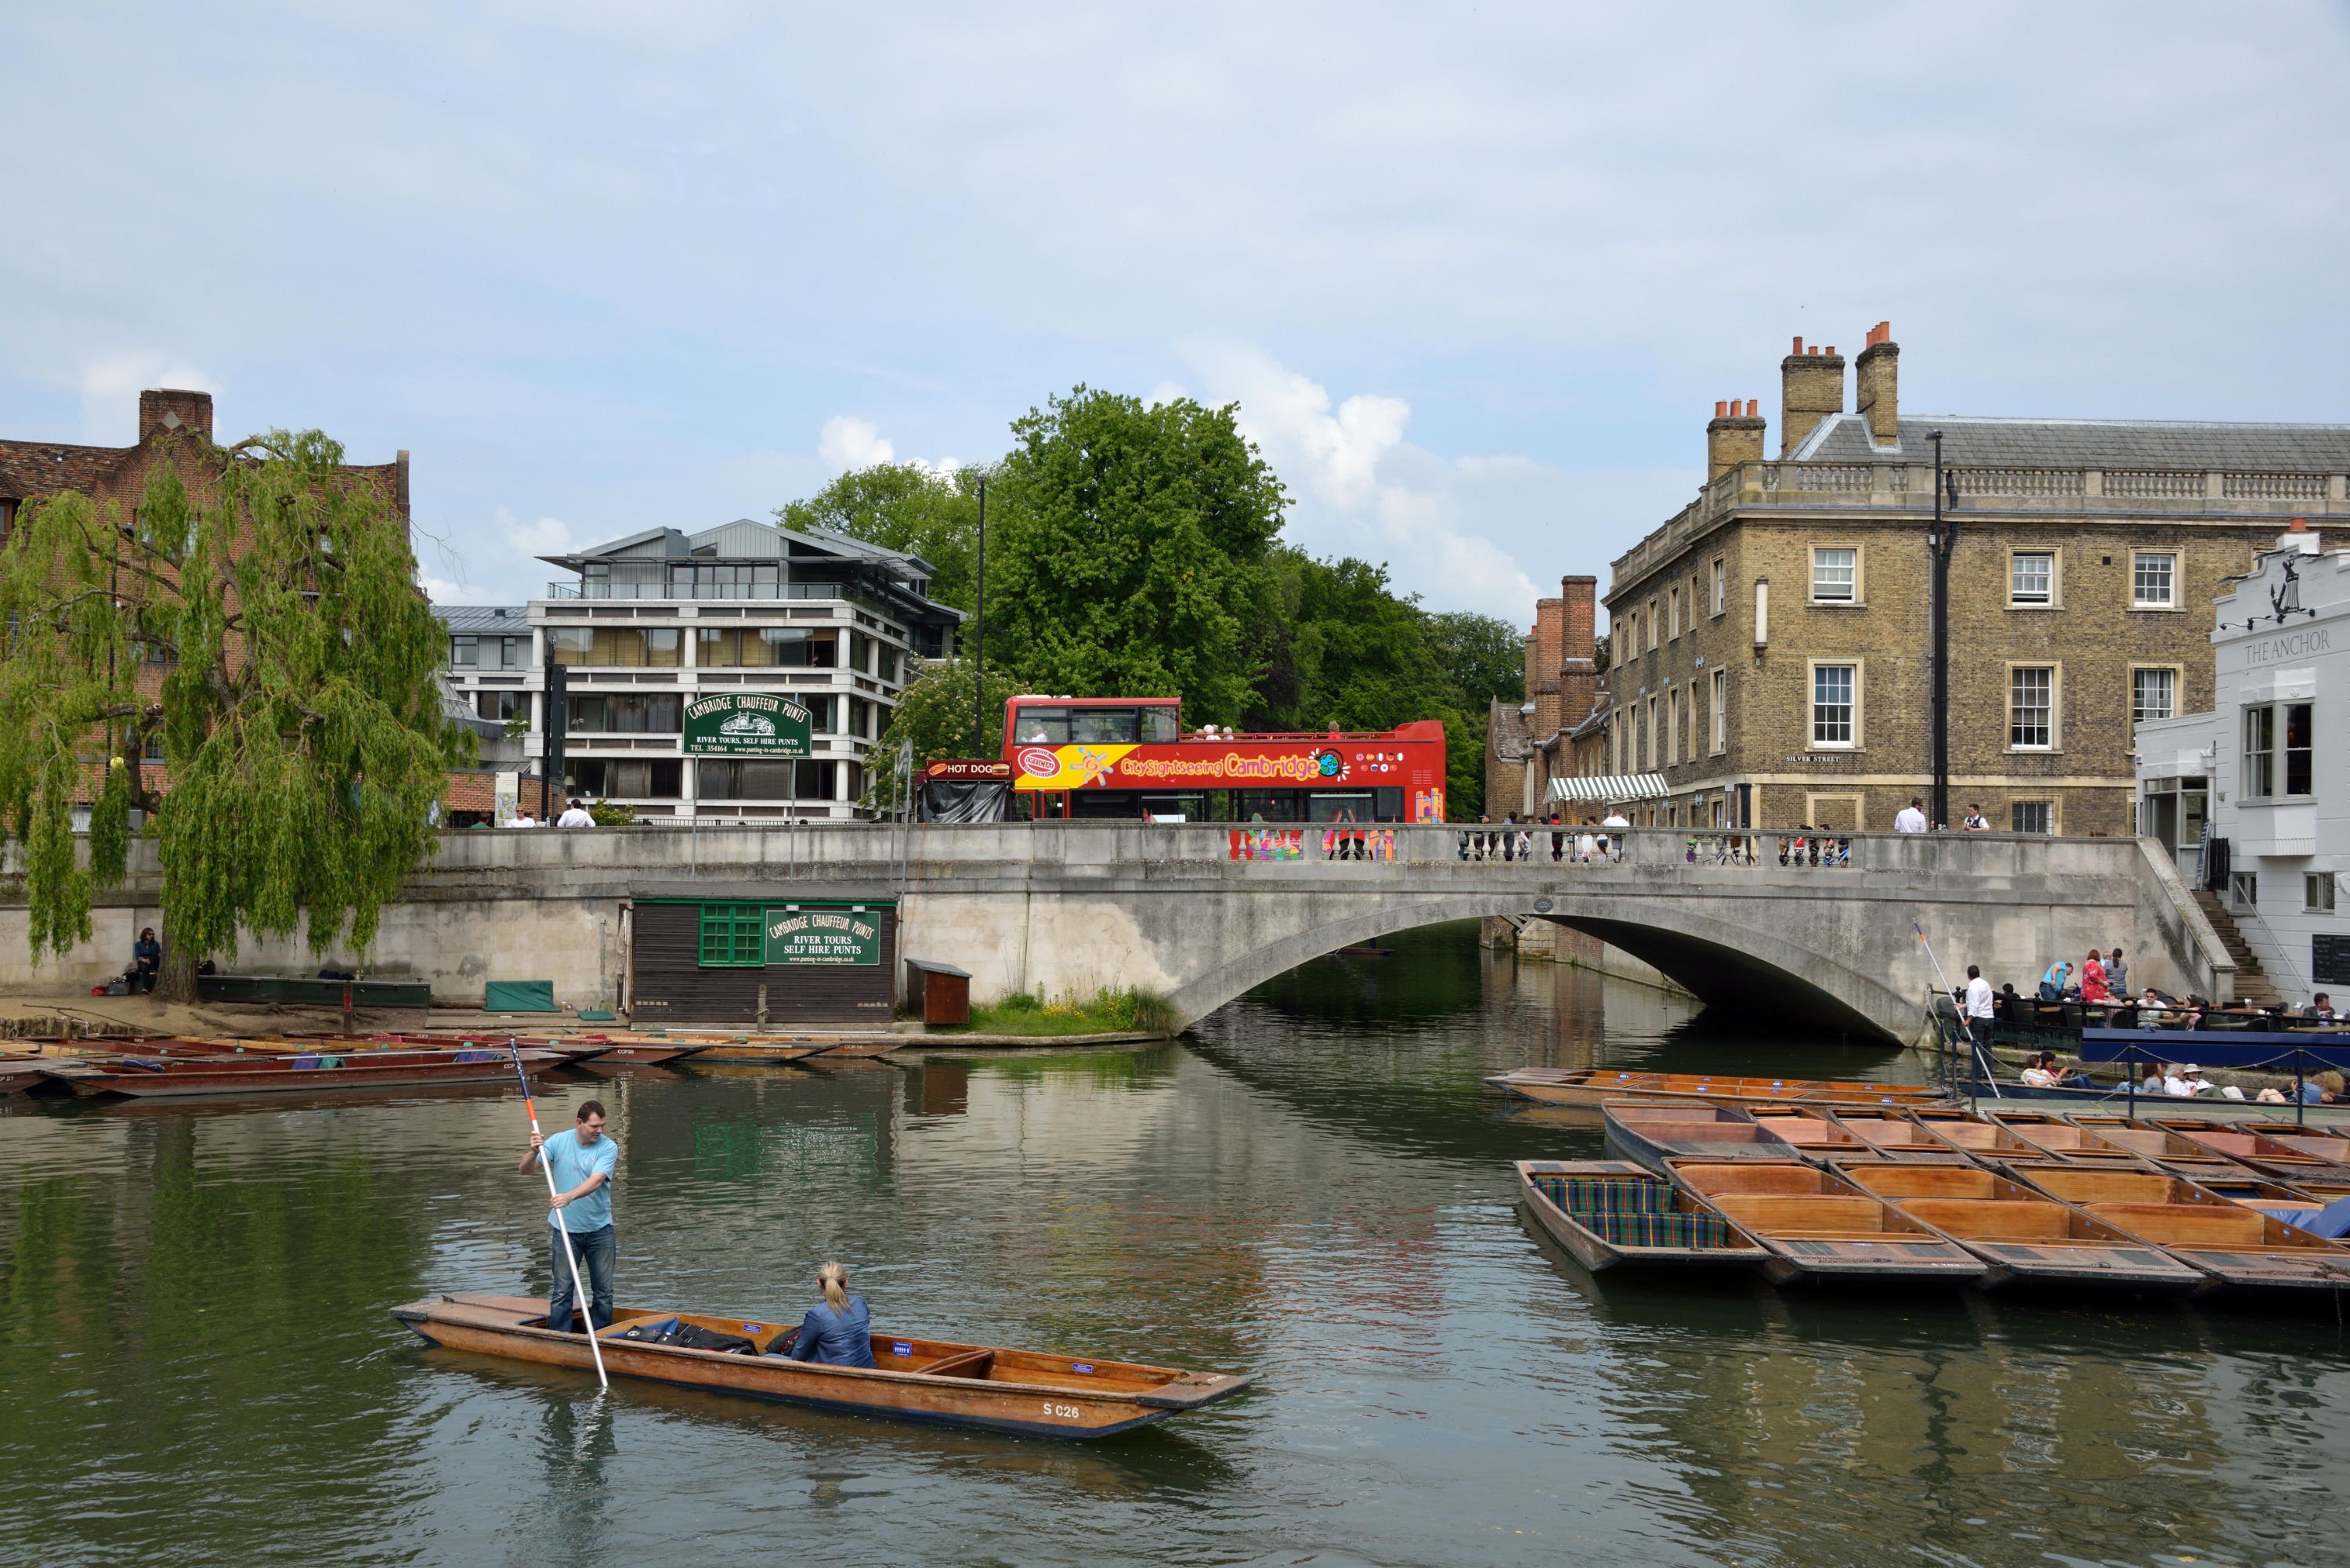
[[1607, 789]]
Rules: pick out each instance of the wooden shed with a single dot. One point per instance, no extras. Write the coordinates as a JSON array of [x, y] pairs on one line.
[[942, 991], [754, 956]]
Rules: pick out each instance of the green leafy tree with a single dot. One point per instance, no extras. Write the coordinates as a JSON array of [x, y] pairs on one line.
[[1486, 657], [937, 713], [265, 621], [1133, 553], [904, 506]]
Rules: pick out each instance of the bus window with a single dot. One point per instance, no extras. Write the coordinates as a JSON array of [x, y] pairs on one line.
[[1333, 807], [1159, 726], [1040, 726], [1102, 726]]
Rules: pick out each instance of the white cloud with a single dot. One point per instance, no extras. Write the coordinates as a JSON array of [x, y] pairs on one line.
[[110, 388], [848, 442], [547, 536]]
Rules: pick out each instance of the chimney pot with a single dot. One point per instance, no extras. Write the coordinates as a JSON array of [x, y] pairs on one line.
[[1811, 388], [1720, 407], [1874, 385], [1799, 345], [2300, 525], [1750, 408]]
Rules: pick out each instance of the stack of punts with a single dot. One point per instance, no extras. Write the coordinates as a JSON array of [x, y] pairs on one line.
[[2256, 1152], [1820, 1228], [1611, 1213], [2065, 1141], [1595, 1086], [2023, 1235], [1650, 1135], [1896, 1135], [2160, 1148], [1810, 1131], [2242, 1250], [936, 1381], [1977, 1136]]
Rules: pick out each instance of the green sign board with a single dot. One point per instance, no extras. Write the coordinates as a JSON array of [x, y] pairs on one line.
[[745, 724], [819, 934]]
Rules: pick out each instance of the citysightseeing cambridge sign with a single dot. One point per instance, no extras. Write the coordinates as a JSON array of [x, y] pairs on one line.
[[745, 724]]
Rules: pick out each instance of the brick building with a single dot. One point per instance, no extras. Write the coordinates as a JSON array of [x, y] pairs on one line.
[[1528, 745], [1771, 644]]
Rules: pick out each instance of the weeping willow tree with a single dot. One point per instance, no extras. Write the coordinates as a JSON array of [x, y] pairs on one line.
[[257, 614]]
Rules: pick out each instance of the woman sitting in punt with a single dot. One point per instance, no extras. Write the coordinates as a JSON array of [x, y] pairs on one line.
[[837, 1330]]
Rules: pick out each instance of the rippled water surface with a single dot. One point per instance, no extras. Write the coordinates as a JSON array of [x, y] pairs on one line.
[[196, 1366]]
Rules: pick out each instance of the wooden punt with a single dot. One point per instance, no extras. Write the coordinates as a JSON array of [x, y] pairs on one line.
[[1891, 1133], [2026, 1237], [1650, 1135], [1976, 1136], [1611, 1213], [2254, 1150], [1810, 1131], [2165, 1150], [936, 1381], [2066, 1140], [1595, 1085], [177, 1078], [20, 1073], [772, 1051], [1820, 1228], [2241, 1249]]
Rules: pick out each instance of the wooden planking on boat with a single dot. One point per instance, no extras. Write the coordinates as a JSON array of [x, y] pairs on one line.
[[2256, 1150], [2024, 1235], [1626, 1232], [936, 1381], [2066, 1140], [1820, 1228], [1649, 1135], [1592, 1086], [1890, 1133], [186, 1079], [2242, 1250]]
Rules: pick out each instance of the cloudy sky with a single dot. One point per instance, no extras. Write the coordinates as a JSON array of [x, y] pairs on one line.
[[1476, 274]]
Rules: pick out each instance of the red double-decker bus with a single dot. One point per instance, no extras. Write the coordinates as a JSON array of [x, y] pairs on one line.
[[1131, 757]]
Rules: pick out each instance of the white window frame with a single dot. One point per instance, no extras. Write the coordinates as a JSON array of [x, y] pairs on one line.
[[1652, 626], [1720, 586], [1812, 703], [2047, 805], [2055, 590], [2259, 736], [1851, 597], [2137, 601], [1672, 726], [2055, 742], [2317, 892], [1720, 702], [1673, 612], [2177, 680]]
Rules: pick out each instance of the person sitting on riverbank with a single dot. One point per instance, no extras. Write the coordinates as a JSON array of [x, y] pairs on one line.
[[2155, 1074], [837, 1330], [2321, 1088], [2042, 1073]]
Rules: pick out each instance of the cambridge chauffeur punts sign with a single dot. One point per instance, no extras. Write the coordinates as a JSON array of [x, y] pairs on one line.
[[746, 724], [798, 935]]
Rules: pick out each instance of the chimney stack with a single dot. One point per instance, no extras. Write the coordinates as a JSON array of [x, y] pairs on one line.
[[1811, 388], [166, 410], [1874, 378], [1732, 438], [1578, 665]]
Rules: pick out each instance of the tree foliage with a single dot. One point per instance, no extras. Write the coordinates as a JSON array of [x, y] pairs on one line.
[[908, 506], [936, 712], [1133, 552], [263, 621]]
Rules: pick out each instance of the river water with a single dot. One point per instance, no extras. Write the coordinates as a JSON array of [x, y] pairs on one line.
[[196, 1366]]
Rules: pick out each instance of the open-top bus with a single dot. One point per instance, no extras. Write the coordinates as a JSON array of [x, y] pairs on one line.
[[1131, 757]]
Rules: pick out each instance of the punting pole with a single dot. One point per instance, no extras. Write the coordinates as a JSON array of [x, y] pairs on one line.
[[579, 1286], [1945, 979]]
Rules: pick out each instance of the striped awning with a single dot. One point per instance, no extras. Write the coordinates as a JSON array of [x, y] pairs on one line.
[[1609, 789]]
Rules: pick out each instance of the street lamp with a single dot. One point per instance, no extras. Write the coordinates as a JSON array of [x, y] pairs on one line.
[[1940, 541], [979, 636]]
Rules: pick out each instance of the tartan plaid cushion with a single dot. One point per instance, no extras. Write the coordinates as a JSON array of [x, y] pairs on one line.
[[1585, 1195], [1658, 1230], [1633, 1212]]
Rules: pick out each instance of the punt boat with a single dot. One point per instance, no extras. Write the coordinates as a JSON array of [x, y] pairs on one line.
[[1611, 1213], [177, 1077], [1594, 1086], [1976, 1136], [2066, 1141], [2026, 1237], [1650, 1135], [18, 1074], [1820, 1228], [1891, 1133], [946, 1384], [1810, 1131], [2259, 1152], [2243, 1251], [2165, 1150]]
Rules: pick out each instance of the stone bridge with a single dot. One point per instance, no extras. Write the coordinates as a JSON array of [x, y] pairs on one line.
[[1202, 912]]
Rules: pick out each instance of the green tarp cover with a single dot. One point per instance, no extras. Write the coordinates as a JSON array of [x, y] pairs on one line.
[[520, 996]]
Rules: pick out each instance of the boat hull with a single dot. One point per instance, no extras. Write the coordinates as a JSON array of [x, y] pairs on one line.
[[502, 1326], [1597, 1254], [213, 1081]]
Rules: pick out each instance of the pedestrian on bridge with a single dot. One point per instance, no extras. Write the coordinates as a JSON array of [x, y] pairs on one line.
[[1978, 1010], [1910, 818]]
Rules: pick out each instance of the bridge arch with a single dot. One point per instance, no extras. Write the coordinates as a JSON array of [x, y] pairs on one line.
[[1722, 961]]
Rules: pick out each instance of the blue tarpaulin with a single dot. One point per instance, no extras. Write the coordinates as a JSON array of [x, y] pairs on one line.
[[2278, 1051]]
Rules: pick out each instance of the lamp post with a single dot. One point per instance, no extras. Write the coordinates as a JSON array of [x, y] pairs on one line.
[[979, 636], [1940, 542]]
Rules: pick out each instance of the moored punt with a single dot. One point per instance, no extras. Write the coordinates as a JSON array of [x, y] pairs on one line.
[[2165, 1150], [1809, 1130], [2257, 1152], [2064, 1140], [1592, 1086], [159, 1079], [1612, 1213], [18, 1074], [731, 1049], [1976, 1136], [935, 1381], [1820, 1228], [2241, 1249], [1651, 1135], [2026, 1237], [1890, 1134]]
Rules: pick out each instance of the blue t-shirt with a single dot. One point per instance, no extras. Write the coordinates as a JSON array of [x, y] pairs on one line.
[[572, 1165]]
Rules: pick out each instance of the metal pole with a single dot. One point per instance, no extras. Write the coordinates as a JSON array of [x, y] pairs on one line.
[[979, 636], [1940, 542], [579, 1286]]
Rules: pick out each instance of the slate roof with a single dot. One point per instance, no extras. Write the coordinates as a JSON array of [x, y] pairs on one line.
[[2128, 444], [512, 620]]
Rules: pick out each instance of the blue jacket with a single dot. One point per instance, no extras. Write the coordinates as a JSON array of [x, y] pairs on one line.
[[836, 1338]]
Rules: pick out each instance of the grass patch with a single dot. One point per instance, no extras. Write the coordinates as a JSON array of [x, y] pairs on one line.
[[1106, 1012]]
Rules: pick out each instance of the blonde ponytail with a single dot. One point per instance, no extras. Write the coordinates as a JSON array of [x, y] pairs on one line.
[[835, 1280]]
